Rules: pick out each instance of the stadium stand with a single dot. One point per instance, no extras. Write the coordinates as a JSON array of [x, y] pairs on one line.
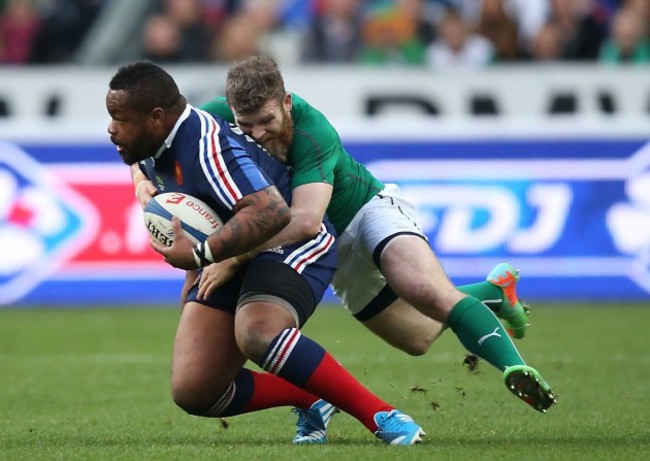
[[551, 69]]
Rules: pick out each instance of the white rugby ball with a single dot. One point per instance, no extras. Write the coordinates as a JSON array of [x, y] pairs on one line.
[[198, 220]]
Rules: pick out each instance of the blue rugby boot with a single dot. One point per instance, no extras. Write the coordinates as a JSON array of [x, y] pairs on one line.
[[312, 423], [397, 428]]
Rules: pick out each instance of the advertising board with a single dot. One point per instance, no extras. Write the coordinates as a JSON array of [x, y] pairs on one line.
[[573, 215]]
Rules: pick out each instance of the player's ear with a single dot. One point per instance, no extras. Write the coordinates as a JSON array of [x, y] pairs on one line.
[[287, 102], [157, 114]]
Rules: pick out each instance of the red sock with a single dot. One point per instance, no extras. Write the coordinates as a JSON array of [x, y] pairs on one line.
[[271, 391], [302, 361], [337, 386]]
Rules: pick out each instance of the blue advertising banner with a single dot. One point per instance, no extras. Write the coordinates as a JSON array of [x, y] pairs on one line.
[[71, 231], [572, 215]]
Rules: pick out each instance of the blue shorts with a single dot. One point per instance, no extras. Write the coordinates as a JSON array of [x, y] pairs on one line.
[[295, 276]]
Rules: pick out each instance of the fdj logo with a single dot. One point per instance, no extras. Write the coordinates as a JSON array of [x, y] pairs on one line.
[[475, 218], [41, 223], [560, 217]]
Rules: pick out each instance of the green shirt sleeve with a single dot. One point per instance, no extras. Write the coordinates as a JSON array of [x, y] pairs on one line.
[[317, 155], [220, 107], [312, 160]]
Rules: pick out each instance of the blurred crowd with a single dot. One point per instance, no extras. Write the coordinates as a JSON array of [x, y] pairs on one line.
[[435, 34], [44, 31]]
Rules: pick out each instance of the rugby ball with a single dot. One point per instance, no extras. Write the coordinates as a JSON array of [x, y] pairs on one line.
[[198, 220]]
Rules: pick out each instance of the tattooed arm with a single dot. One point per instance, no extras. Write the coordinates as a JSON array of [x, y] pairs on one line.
[[308, 205], [258, 217]]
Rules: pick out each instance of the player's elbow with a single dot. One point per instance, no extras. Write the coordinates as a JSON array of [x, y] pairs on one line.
[[306, 226]]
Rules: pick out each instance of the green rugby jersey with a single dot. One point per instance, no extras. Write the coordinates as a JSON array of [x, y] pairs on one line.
[[317, 155]]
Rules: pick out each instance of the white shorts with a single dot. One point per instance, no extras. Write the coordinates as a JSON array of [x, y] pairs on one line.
[[358, 282]]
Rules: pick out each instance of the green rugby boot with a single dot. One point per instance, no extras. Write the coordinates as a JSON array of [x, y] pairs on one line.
[[513, 312], [527, 384]]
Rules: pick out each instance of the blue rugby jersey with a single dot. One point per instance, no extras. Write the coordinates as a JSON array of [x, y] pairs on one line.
[[212, 160], [209, 159]]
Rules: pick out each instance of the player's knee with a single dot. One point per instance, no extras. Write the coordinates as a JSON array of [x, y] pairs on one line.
[[190, 399], [416, 346], [255, 337], [188, 403], [254, 347], [413, 336]]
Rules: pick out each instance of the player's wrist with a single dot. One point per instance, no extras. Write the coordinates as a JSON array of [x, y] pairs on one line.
[[139, 184], [242, 259], [139, 180], [203, 255]]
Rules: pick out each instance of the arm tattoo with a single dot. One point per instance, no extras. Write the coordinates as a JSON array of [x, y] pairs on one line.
[[258, 217]]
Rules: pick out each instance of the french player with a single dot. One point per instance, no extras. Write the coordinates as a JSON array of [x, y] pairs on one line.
[[258, 314]]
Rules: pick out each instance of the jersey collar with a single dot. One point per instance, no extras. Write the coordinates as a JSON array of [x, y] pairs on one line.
[[168, 142]]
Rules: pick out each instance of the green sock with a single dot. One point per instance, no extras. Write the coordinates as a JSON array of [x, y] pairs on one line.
[[479, 330], [490, 294]]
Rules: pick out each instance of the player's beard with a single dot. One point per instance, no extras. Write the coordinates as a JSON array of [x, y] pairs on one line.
[[130, 158], [127, 157], [143, 147], [279, 145]]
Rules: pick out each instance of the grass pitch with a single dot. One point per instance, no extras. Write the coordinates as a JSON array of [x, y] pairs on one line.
[[92, 384]]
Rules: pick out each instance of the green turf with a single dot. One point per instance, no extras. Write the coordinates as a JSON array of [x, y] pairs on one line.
[[93, 385]]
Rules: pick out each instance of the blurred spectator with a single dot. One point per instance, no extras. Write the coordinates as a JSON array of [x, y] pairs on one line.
[[610, 5], [334, 36], [238, 38], [389, 38], [283, 23], [457, 46], [583, 31], [381, 32], [548, 45], [642, 9], [296, 14], [177, 32], [496, 25], [217, 11], [529, 15], [194, 35], [257, 28], [161, 39], [65, 24], [19, 24], [421, 16], [605, 9], [628, 42]]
